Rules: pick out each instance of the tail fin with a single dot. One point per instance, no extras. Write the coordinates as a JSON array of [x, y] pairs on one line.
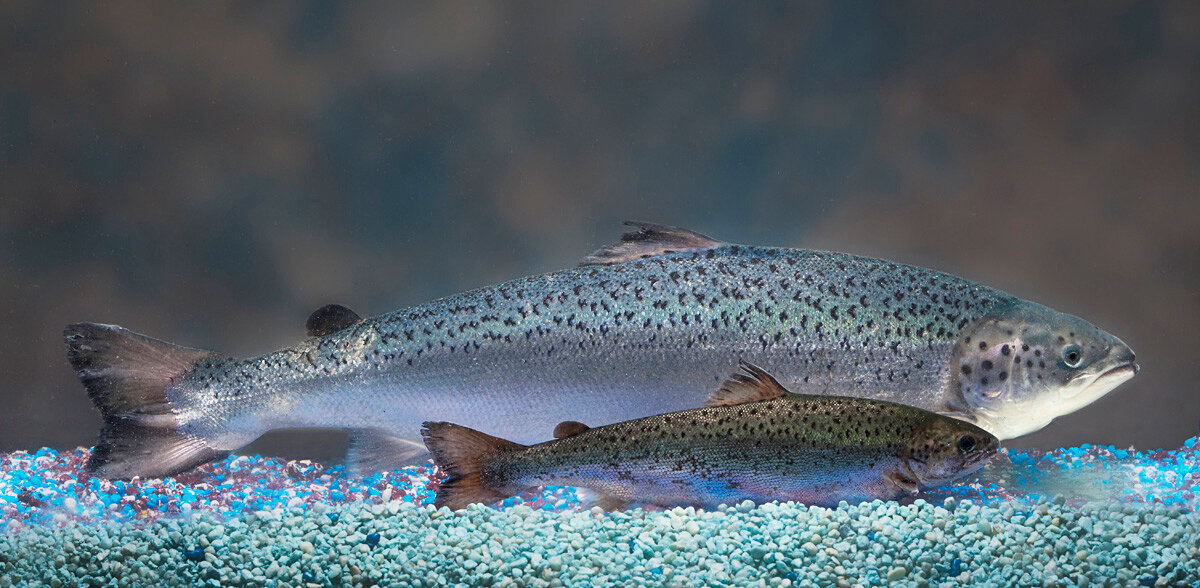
[[126, 376], [463, 452]]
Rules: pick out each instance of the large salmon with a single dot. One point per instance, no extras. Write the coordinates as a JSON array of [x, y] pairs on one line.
[[643, 327]]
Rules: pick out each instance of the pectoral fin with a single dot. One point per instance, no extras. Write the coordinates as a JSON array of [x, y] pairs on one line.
[[752, 384], [903, 482], [647, 241], [589, 498], [373, 450]]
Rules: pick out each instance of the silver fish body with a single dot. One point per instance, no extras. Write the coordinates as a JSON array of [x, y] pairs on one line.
[[646, 330]]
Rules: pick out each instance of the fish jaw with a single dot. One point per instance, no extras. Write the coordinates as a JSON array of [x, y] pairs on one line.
[[1094, 387]]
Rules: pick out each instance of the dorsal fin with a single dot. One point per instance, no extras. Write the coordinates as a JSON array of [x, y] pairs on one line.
[[752, 384], [330, 318], [647, 241], [569, 429]]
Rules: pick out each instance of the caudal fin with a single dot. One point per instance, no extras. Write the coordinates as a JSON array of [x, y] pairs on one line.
[[463, 452], [126, 376]]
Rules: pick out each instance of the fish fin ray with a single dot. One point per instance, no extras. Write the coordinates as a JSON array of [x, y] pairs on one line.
[[903, 482], [589, 498], [647, 241], [373, 450], [126, 375], [751, 384], [330, 318], [462, 453], [569, 429], [459, 492]]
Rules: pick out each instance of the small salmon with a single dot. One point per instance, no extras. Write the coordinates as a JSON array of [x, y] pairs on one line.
[[753, 440]]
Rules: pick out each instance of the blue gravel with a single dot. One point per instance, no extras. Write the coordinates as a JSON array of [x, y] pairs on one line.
[[1075, 516]]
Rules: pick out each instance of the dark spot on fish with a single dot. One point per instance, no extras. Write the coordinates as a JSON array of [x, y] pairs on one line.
[[966, 369], [987, 364], [983, 344], [1005, 350], [1003, 376]]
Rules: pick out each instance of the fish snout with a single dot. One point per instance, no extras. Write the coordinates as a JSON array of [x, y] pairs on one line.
[[1130, 359], [1123, 359]]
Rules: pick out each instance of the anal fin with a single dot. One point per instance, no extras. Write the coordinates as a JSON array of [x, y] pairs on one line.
[[373, 450]]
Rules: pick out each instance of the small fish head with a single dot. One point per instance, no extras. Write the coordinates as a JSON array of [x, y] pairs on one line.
[[1023, 365], [946, 449]]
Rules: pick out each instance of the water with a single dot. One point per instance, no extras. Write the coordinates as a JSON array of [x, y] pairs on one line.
[[210, 175]]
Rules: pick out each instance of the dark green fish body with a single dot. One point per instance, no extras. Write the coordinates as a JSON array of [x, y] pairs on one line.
[[644, 328], [812, 449]]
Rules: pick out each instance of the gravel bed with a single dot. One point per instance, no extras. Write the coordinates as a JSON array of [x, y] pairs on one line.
[[1072, 517]]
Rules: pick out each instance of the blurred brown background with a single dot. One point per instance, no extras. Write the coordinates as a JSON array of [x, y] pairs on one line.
[[209, 173]]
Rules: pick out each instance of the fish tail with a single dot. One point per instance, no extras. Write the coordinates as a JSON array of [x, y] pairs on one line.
[[463, 453], [127, 376]]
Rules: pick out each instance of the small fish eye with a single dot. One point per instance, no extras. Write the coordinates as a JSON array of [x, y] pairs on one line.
[[966, 443], [1072, 356]]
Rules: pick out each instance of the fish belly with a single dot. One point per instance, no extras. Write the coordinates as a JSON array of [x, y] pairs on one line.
[[693, 476]]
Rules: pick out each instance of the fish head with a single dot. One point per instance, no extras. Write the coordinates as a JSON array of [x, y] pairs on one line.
[[945, 449], [1023, 365]]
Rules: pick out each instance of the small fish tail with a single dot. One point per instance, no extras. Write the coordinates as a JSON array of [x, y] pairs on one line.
[[463, 453], [127, 376]]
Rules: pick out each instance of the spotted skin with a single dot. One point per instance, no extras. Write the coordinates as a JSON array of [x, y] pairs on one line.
[[608, 343], [813, 449]]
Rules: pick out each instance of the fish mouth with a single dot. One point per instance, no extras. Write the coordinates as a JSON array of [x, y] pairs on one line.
[[1116, 375], [986, 456], [1110, 377], [1103, 383]]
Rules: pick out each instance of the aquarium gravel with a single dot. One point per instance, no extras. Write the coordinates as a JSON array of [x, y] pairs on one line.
[[1072, 517]]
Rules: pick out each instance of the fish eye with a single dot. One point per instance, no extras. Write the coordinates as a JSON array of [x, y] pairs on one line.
[[966, 443], [1072, 356]]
